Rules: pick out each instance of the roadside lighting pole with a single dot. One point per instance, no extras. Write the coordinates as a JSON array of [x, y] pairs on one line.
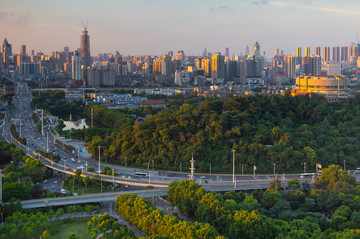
[[242, 169], [113, 171], [99, 159], [210, 169], [233, 165], [180, 167], [92, 117], [42, 121], [254, 169], [149, 171], [47, 142], [304, 167], [274, 169], [344, 164], [86, 164], [192, 169], [20, 128]]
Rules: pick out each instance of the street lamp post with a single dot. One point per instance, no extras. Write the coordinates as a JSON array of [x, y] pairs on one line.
[[254, 169], [149, 171], [344, 164], [210, 168], [233, 165], [99, 159], [113, 171], [86, 164], [274, 169], [242, 169], [47, 141], [180, 167], [304, 167]]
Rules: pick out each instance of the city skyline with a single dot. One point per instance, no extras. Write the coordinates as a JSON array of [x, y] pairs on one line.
[[139, 28]]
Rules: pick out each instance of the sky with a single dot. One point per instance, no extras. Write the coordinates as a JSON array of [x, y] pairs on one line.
[[154, 27]]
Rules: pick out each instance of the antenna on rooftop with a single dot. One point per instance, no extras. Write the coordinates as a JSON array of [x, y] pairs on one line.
[[84, 25]]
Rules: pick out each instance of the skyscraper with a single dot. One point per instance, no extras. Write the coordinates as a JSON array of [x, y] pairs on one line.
[[76, 67], [318, 51], [6, 53], [307, 51], [298, 56], [336, 53], [326, 56], [344, 53], [256, 51], [311, 65], [217, 66], [23, 50], [227, 52], [290, 66], [85, 48], [247, 50], [298, 51]]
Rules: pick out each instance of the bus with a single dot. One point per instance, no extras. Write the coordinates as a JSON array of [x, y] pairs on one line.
[[307, 175], [141, 174]]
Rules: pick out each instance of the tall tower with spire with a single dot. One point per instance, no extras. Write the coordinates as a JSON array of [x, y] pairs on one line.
[[6, 53], [85, 48], [256, 51]]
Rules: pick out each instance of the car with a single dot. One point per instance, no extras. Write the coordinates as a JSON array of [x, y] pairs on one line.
[[202, 177], [72, 159], [52, 186], [55, 181], [126, 186], [79, 161]]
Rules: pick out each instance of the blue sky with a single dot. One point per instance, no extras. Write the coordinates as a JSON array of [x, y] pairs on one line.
[[156, 26]]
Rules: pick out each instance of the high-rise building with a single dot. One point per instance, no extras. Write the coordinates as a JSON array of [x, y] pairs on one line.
[[227, 52], [353, 52], [247, 50], [344, 53], [198, 63], [206, 65], [85, 48], [307, 51], [318, 51], [166, 66], [6, 53], [311, 65], [290, 66], [205, 53], [23, 50], [298, 51], [277, 52], [180, 56], [326, 56], [76, 67], [256, 51], [336, 53], [217, 66]]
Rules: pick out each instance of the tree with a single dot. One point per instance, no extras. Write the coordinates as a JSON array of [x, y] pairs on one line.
[[274, 185], [45, 235], [72, 236], [336, 179], [294, 184]]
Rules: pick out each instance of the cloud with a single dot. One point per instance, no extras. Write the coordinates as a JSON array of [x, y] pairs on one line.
[[20, 19], [264, 2], [223, 7], [307, 6], [220, 7]]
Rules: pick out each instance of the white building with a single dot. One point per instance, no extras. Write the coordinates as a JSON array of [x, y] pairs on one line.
[[182, 78], [76, 67], [334, 69]]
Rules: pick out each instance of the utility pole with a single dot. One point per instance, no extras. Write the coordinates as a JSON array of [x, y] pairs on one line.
[[149, 171], [274, 169], [233, 165], [192, 169], [113, 171], [92, 117], [180, 167], [99, 160], [86, 164], [210, 169], [304, 167], [42, 121], [47, 141], [242, 169]]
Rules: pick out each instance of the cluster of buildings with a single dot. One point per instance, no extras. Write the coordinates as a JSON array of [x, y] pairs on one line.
[[78, 68]]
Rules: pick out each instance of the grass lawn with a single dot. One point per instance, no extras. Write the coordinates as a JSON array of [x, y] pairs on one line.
[[78, 226]]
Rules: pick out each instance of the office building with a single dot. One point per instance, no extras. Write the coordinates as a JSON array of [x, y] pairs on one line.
[[334, 68], [218, 66], [28, 69], [182, 78], [336, 53], [251, 67], [318, 51], [166, 65], [23, 50], [290, 66], [76, 67], [206, 66], [85, 48], [326, 56], [256, 51], [227, 53], [6, 53], [335, 88], [353, 52], [344, 53], [307, 51], [311, 65], [180, 56]]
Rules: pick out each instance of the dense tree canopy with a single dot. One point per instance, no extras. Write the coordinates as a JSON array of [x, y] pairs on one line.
[[263, 129]]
